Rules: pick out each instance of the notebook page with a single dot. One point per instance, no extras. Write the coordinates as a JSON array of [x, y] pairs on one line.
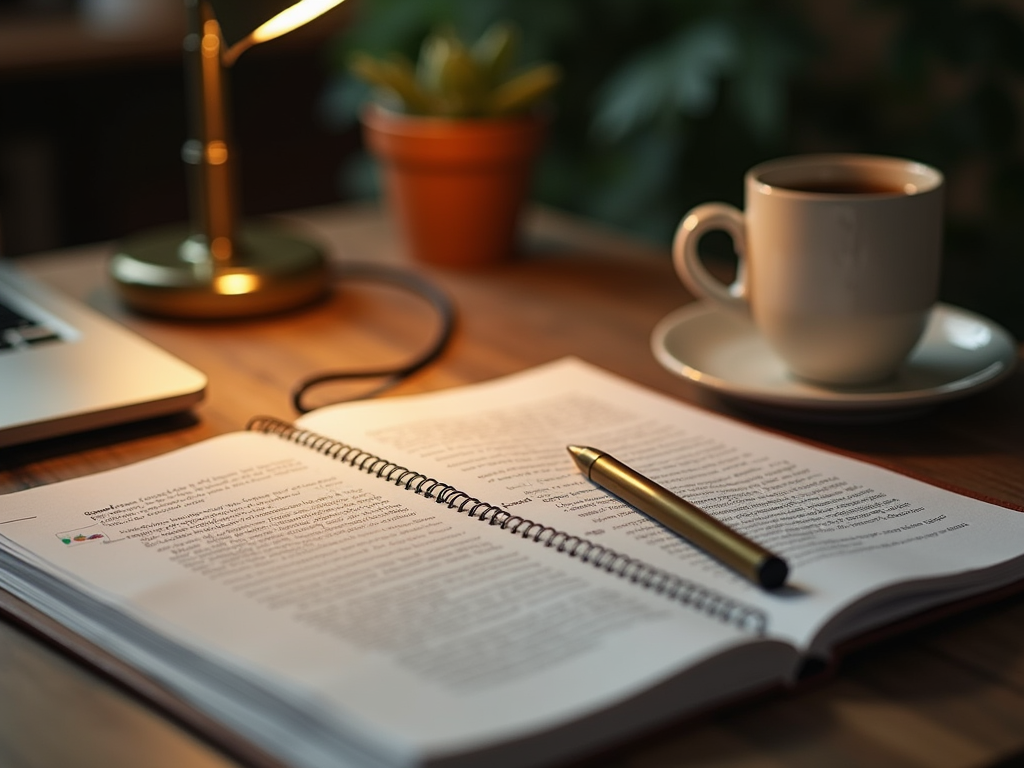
[[849, 530]]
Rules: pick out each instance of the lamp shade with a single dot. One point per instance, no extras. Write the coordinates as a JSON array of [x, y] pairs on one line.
[[239, 19]]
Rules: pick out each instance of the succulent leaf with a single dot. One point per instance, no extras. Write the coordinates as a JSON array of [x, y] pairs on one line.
[[394, 76], [462, 85], [433, 53], [524, 90], [496, 50], [452, 80]]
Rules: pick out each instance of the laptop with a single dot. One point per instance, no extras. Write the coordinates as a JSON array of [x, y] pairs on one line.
[[65, 367]]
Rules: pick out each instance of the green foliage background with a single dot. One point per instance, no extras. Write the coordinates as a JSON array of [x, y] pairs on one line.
[[665, 103]]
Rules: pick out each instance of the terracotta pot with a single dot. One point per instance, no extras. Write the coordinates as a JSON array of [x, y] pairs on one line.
[[456, 186]]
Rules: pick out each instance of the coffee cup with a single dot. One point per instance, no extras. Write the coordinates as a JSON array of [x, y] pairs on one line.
[[839, 258]]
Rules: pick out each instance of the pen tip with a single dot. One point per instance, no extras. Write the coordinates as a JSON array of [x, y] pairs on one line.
[[583, 456], [773, 572]]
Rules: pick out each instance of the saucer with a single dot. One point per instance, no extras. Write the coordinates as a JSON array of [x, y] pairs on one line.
[[960, 353]]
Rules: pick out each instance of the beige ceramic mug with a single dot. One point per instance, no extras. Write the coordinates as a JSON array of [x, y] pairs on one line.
[[839, 260]]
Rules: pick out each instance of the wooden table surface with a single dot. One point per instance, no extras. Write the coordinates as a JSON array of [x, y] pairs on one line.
[[951, 694]]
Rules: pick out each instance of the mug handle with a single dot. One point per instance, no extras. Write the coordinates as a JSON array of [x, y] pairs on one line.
[[691, 270]]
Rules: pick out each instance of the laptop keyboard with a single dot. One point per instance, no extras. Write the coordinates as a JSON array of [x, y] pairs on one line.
[[19, 332]]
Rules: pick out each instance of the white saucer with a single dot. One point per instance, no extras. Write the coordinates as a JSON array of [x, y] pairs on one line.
[[961, 353]]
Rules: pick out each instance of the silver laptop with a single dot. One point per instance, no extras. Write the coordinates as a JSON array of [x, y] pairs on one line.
[[65, 368]]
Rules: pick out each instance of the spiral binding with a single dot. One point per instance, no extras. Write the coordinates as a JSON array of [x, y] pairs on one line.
[[689, 593]]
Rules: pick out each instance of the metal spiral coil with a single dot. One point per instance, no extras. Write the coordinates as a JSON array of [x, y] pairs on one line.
[[674, 587]]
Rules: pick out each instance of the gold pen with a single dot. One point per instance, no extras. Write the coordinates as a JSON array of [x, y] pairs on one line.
[[680, 516]]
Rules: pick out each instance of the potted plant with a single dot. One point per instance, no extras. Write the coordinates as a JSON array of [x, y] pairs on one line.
[[456, 135]]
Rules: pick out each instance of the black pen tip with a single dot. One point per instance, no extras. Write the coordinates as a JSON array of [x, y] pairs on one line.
[[773, 572]]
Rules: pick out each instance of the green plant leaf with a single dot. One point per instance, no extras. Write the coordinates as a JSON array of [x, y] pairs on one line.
[[631, 97], [682, 75], [462, 85], [700, 57], [495, 51], [434, 52], [523, 91], [394, 76], [453, 80]]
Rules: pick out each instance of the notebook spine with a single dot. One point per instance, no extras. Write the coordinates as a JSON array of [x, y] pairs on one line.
[[685, 591]]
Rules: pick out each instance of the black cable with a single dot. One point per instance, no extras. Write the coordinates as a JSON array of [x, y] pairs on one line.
[[415, 284]]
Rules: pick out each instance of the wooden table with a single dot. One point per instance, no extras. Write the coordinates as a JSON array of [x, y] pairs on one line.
[[948, 695]]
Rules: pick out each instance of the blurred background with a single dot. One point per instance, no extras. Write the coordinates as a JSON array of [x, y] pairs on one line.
[[663, 105]]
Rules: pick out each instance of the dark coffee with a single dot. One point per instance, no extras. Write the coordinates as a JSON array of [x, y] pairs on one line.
[[846, 187]]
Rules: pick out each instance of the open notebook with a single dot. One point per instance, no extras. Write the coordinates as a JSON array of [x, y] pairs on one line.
[[65, 367], [454, 592]]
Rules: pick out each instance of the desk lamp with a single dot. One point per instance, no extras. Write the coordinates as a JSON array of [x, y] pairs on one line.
[[214, 268]]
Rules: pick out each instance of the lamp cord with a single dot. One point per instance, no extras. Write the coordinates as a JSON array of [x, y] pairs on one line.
[[414, 284]]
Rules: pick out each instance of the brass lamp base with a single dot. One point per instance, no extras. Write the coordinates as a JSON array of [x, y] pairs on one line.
[[171, 273]]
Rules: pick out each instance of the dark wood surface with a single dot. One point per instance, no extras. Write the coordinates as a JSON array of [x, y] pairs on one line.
[[949, 694]]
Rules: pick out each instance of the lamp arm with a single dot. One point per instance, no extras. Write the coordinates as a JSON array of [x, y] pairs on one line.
[[231, 53], [208, 151], [215, 269]]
